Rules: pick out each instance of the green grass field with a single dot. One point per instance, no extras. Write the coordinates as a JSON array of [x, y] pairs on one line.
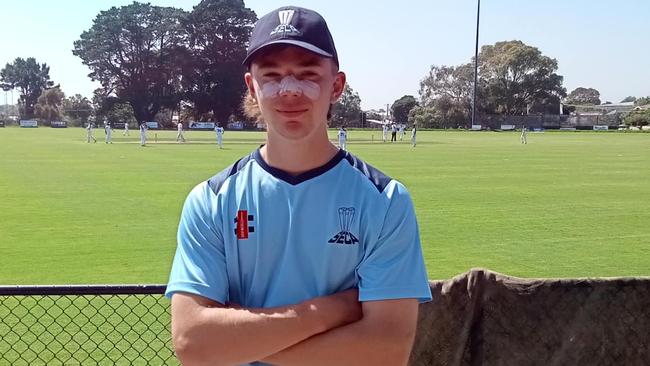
[[568, 204]]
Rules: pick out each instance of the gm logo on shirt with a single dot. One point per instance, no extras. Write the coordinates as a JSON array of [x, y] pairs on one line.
[[346, 217]]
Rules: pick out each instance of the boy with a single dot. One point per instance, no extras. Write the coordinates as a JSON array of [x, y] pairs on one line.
[[299, 253]]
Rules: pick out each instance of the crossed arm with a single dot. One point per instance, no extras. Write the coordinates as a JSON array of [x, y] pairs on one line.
[[329, 330]]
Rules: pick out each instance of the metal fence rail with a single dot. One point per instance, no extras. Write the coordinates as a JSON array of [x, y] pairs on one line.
[[85, 325]]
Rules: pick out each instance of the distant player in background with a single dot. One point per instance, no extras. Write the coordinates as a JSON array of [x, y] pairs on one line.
[[413, 132], [126, 129], [89, 133], [143, 134], [385, 130], [343, 135], [219, 130], [401, 131], [180, 136], [524, 135], [108, 131], [393, 133]]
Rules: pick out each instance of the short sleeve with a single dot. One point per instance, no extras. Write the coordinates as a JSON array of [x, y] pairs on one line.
[[393, 266], [199, 265]]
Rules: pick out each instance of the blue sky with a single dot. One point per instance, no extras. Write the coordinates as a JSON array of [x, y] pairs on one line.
[[387, 47]]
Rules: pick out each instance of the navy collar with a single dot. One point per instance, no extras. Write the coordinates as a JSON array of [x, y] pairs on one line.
[[302, 177]]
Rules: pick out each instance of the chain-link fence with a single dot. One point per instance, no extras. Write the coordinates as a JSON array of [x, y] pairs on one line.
[[85, 325], [479, 318]]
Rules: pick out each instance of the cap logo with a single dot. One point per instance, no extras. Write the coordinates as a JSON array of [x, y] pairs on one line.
[[285, 26]]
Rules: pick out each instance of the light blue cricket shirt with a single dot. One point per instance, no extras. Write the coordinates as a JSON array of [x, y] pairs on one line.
[[256, 236]]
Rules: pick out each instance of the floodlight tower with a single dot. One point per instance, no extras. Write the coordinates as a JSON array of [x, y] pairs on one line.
[[478, 13]]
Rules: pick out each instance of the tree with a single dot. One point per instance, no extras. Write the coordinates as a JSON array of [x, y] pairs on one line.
[[213, 74], [48, 105], [346, 110], [136, 52], [517, 76], [424, 117], [401, 108], [30, 77], [374, 115], [452, 82], [584, 96], [111, 109], [444, 112], [449, 114], [514, 78], [164, 117], [8, 110], [445, 95], [121, 113], [642, 101], [78, 108], [548, 105], [629, 99], [638, 118]]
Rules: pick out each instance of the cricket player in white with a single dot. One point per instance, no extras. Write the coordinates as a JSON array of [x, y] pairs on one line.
[[385, 127], [180, 136], [524, 135], [343, 135], [413, 132], [401, 131], [89, 133], [219, 131], [108, 130], [126, 129], [143, 134]]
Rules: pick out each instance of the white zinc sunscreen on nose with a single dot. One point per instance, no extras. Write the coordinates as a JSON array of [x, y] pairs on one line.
[[289, 84]]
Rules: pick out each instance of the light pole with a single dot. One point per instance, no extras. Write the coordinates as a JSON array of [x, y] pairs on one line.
[[478, 12], [12, 102]]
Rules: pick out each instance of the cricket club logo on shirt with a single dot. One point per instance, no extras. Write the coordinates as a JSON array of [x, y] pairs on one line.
[[285, 26], [243, 226], [346, 217]]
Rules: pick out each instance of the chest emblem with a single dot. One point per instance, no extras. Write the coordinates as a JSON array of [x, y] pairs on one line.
[[346, 218], [244, 223]]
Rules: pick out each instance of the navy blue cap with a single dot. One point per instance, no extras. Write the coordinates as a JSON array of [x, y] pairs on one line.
[[294, 26]]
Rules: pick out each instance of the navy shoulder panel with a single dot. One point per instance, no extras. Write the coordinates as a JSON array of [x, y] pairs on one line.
[[217, 180], [378, 179]]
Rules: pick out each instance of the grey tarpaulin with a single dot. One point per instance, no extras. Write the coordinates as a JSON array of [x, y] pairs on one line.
[[485, 318]]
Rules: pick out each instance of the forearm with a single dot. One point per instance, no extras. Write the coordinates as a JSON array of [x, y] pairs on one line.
[[229, 336], [207, 333], [360, 343]]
